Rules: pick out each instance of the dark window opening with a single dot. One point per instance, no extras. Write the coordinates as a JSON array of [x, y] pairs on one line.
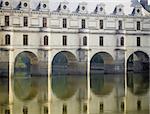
[[7, 39], [45, 110], [122, 41], [101, 24], [83, 23], [122, 106], [64, 23], [138, 41], [64, 40], [44, 22], [25, 110], [6, 20], [25, 39], [85, 108], [64, 110], [138, 25], [120, 25], [85, 41], [101, 41], [101, 107], [7, 111], [25, 21], [139, 105], [45, 40]]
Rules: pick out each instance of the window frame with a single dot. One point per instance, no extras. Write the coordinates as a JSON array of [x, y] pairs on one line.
[[101, 24], [64, 23], [7, 20], [122, 41], [25, 110], [45, 40], [83, 23], [25, 21], [7, 39], [64, 40], [138, 25], [101, 41], [84, 41], [44, 21], [138, 41], [120, 25], [25, 40]]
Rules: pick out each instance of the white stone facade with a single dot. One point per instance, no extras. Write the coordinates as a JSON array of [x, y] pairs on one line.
[[115, 26]]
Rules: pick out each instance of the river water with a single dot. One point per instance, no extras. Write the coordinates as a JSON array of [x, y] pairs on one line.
[[108, 94]]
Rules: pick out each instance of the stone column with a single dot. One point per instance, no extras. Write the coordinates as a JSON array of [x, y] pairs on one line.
[[88, 81], [11, 73], [49, 80]]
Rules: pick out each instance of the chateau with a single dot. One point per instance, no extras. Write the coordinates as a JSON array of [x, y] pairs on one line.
[[41, 42]]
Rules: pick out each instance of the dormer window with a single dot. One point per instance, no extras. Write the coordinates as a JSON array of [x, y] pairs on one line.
[[83, 8], [101, 9], [64, 6], [7, 3], [120, 9], [138, 11], [44, 5], [25, 4]]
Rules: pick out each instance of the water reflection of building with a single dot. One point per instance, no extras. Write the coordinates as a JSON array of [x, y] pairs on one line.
[[39, 42], [71, 94]]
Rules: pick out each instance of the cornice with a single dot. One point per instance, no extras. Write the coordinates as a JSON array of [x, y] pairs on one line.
[[50, 13]]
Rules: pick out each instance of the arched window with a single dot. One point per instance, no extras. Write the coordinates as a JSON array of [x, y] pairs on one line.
[[45, 40], [84, 40], [7, 39], [122, 41]]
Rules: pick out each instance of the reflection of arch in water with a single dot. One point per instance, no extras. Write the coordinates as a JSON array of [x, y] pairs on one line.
[[138, 83], [64, 63], [4, 91], [64, 87], [26, 64], [25, 89], [138, 62], [102, 62], [102, 84]]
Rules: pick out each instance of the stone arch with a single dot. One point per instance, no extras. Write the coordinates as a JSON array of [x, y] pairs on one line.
[[102, 62], [26, 61], [138, 72], [64, 62], [64, 67], [138, 61]]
